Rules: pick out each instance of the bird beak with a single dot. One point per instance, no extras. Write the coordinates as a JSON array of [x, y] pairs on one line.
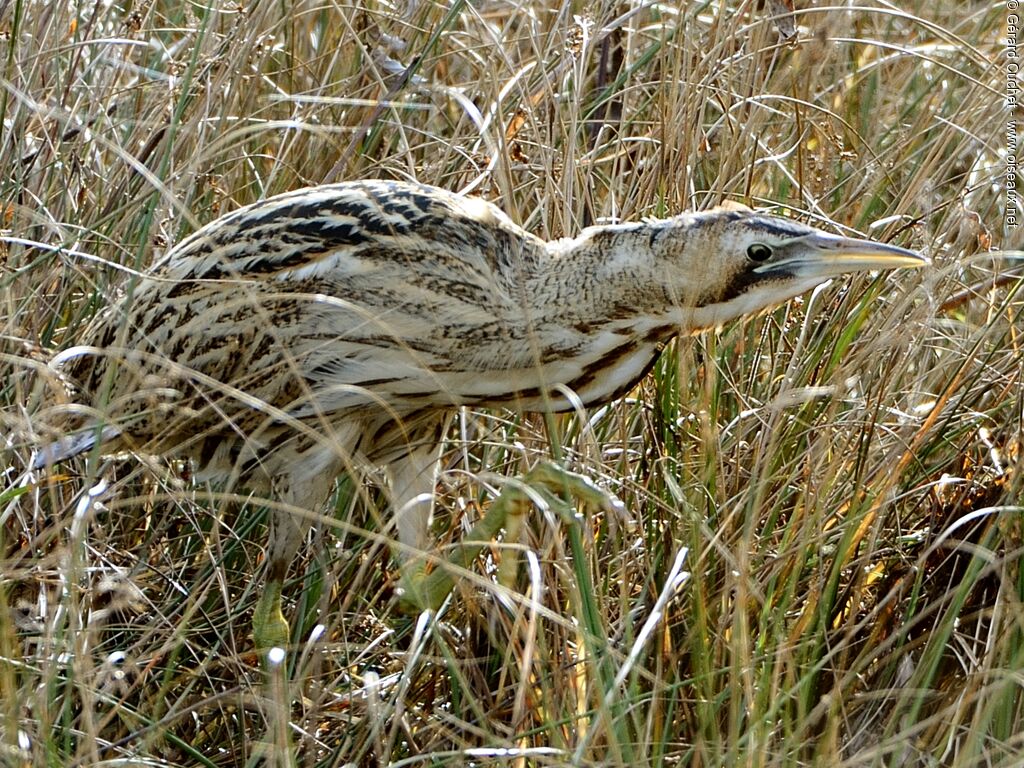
[[822, 256]]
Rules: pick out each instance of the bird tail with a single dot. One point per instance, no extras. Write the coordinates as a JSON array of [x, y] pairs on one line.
[[72, 445]]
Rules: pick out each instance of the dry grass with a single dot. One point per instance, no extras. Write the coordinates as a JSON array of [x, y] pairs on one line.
[[819, 467]]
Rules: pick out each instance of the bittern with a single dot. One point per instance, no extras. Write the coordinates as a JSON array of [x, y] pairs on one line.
[[336, 328]]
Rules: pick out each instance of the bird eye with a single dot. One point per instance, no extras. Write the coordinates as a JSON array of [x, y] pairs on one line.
[[759, 252]]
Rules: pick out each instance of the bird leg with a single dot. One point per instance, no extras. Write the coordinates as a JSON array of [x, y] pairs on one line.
[[301, 492], [546, 484], [269, 626], [305, 488], [412, 479]]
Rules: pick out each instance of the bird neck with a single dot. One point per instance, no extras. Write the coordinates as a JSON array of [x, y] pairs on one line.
[[608, 278], [594, 314]]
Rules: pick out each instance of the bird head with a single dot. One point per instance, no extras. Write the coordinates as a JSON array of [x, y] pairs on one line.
[[739, 262]]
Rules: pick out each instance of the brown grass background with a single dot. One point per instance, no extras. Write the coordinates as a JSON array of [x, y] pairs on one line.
[[843, 474]]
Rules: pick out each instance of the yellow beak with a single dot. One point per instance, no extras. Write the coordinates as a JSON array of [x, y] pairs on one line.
[[822, 256]]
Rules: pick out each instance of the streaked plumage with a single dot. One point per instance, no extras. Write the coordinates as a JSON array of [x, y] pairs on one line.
[[336, 327]]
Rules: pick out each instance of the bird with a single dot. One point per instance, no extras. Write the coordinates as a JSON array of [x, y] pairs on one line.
[[337, 328]]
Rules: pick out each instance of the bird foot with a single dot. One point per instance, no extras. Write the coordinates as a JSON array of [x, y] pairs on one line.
[[546, 485]]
